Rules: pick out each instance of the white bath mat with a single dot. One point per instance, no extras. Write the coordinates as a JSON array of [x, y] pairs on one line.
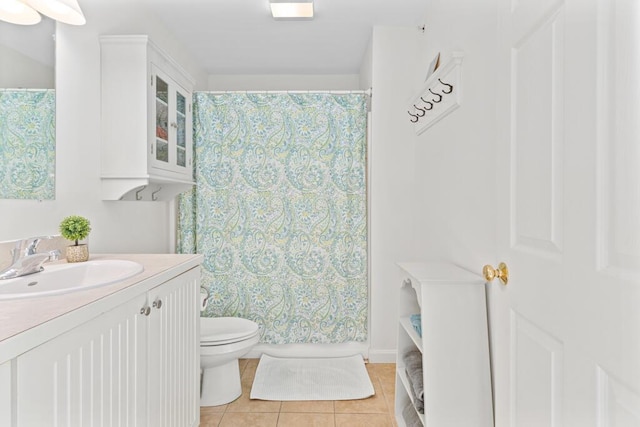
[[332, 378]]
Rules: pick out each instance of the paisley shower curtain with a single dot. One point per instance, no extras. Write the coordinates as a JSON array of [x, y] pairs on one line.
[[279, 212]]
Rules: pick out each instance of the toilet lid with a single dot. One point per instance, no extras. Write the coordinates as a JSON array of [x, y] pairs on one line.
[[224, 330]]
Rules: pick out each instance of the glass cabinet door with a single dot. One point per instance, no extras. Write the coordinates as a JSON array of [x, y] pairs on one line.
[[162, 120], [171, 144]]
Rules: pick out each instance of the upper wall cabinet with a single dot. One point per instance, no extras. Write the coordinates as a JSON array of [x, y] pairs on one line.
[[147, 148]]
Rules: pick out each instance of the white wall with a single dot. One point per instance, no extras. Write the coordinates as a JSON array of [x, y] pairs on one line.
[[117, 226], [454, 159], [20, 71], [283, 82], [366, 67], [392, 229]]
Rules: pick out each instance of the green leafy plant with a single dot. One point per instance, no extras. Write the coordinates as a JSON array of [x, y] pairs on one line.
[[75, 228]]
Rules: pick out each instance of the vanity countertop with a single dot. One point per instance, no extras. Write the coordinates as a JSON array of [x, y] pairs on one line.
[[25, 323]]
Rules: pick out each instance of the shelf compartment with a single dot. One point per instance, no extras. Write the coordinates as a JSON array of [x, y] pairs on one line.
[[402, 378], [405, 322]]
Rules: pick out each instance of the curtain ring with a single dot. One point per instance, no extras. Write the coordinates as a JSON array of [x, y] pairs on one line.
[[413, 116]]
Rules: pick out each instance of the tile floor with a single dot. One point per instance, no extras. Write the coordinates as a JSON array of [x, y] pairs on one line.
[[376, 411]]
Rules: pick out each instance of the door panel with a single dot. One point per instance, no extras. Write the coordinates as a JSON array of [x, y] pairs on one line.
[[536, 137], [619, 110], [617, 404], [536, 375]]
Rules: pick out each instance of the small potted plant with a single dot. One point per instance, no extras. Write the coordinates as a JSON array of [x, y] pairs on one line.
[[76, 228]]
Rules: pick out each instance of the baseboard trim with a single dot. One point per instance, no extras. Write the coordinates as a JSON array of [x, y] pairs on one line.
[[382, 356]]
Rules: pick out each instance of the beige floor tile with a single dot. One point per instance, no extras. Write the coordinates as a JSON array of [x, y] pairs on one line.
[[249, 420], [242, 363], [288, 419], [389, 368], [363, 420], [210, 420], [315, 406], [386, 371], [250, 368], [212, 409], [372, 405], [388, 390], [246, 404]]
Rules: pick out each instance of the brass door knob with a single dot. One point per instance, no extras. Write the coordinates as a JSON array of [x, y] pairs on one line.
[[502, 273]]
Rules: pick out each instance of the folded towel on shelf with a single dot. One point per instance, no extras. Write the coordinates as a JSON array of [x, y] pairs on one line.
[[413, 367], [416, 322], [410, 416], [418, 403]]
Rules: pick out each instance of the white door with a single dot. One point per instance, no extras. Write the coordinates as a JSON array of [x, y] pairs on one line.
[[566, 329]]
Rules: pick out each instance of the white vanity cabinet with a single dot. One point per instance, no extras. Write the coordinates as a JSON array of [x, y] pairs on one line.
[[454, 346], [147, 142], [136, 364], [6, 399]]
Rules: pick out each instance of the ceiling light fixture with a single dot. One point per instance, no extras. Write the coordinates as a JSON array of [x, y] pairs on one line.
[[25, 12], [292, 10], [16, 12]]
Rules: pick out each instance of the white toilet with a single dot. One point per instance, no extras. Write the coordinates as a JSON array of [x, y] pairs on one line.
[[223, 340]]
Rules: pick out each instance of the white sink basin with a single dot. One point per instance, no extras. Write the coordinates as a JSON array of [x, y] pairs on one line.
[[59, 279]]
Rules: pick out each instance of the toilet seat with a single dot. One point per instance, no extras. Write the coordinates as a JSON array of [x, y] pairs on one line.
[[226, 330]]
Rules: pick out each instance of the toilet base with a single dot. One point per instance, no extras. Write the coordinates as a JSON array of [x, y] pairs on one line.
[[220, 384]]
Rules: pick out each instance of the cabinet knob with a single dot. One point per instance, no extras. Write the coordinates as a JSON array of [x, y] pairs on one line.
[[157, 303], [146, 310]]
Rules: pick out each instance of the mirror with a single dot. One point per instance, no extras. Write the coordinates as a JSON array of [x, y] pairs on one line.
[[27, 110]]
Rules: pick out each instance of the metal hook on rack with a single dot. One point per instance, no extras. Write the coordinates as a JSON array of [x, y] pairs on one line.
[[413, 117], [427, 102], [153, 195], [446, 84], [420, 109], [138, 196], [438, 95]]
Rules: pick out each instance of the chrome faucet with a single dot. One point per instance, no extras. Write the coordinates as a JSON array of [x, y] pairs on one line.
[[26, 259]]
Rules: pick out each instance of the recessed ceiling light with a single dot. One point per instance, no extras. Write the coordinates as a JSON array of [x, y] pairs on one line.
[[287, 9]]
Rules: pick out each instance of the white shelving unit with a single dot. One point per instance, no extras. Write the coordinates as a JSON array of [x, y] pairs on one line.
[[454, 345], [440, 95]]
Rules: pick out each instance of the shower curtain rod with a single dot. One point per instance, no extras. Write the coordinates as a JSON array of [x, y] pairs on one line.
[[335, 92]]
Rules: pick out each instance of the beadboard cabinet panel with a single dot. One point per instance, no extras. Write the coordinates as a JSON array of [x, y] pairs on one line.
[[91, 375]]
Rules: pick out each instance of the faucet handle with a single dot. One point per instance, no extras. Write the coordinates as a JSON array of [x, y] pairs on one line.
[[54, 255], [29, 244]]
